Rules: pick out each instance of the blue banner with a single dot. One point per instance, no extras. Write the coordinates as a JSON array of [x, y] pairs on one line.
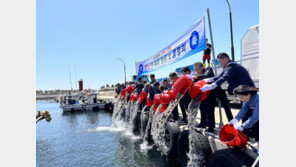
[[191, 42]]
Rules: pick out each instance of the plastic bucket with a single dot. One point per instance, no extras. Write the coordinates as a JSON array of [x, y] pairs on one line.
[[194, 91], [165, 98], [232, 138], [156, 101], [163, 108], [172, 94], [149, 103], [182, 84], [123, 92], [155, 107], [143, 95], [134, 97], [129, 89]]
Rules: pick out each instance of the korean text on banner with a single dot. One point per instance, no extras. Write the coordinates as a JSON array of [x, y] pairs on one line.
[[191, 42]]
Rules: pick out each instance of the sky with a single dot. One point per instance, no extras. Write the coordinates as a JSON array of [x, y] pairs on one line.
[[91, 34]]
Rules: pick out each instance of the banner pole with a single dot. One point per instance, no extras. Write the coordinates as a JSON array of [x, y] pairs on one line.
[[213, 53]]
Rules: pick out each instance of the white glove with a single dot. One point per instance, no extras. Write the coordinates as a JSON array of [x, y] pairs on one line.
[[206, 87], [238, 127], [207, 80], [233, 121]]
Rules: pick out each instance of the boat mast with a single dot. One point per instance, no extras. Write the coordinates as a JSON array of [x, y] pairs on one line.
[[70, 78], [75, 77]]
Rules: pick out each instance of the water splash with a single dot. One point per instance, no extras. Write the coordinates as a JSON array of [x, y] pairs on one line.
[[145, 147], [158, 126], [123, 127], [117, 108], [143, 116], [147, 135], [107, 128], [128, 111], [195, 158]]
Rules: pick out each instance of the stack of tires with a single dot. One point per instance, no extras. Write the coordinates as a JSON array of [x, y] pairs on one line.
[[203, 147], [177, 143], [144, 120], [221, 158], [172, 132], [230, 158]]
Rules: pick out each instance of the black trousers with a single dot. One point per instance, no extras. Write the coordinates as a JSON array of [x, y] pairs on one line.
[[221, 95], [207, 108], [175, 113], [254, 130], [184, 102]]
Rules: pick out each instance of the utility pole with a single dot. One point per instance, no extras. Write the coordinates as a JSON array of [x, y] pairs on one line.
[[124, 68], [231, 34], [212, 41]]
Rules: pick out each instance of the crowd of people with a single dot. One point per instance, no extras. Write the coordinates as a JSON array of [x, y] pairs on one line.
[[240, 84]]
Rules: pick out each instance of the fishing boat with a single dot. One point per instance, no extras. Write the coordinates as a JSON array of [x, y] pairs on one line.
[[84, 102]]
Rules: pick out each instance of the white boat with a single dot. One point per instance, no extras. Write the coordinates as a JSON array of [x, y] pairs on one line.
[[82, 102]]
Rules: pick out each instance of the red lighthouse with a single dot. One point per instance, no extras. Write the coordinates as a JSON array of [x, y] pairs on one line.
[[80, 85]]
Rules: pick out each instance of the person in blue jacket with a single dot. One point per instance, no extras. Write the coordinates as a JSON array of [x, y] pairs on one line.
[[234, 73], [250, 98], [139, 86], [156, 89], [153, 80]]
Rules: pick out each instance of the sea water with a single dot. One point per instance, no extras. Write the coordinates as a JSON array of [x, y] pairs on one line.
[[90, 139]]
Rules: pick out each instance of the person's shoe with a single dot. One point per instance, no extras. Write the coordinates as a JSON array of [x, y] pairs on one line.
[[204, 65], [209, 64]]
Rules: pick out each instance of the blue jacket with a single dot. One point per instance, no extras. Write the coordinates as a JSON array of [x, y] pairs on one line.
[[139, 87], [253, 103], [236, 75], [156, 91], [118, 90], [152, 82]]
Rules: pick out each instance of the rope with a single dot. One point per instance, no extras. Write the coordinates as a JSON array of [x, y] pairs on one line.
[[256, 161], [43, 115]]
